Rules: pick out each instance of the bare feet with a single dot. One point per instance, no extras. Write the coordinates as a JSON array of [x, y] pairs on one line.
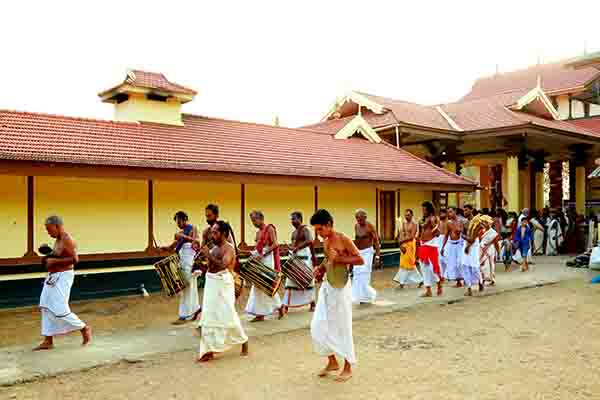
[[206, 358], [481, 287], [469, 292], [459, 283], [281, 312], [420, 285], [440, 289], [180, 321], [45, 345], [345, 374], [86, 334], [196, 315], [332, 365], [244, 352], [427, 292], [258, 318]]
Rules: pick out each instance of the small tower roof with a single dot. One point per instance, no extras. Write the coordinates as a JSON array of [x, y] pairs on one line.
[[138, 81]]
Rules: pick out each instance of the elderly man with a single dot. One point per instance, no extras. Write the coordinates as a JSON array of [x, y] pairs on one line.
[[367, 242], [267, 250], [57, 317]]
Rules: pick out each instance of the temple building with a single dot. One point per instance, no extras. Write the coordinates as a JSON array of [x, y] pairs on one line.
[[117, 184], [503, 133]]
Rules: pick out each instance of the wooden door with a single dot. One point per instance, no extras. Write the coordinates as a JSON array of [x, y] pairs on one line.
[[387, 216]]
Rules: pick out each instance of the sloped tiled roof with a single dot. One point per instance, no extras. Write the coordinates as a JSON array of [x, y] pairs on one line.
[[411, 113], [211, 145], [334, 125], [152, 80], [555, 77], [589, 124]]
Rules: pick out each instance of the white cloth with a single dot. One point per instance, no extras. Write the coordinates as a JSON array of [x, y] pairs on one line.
[[293, 295], [362, 291], [471, 269], [488, 258], [538, 237], [429, 277], [57, 317], [408, 276], [188, 298], [453, 256], [259, 303], [441, 258], [331, 325], [555, 238], [221, 325]]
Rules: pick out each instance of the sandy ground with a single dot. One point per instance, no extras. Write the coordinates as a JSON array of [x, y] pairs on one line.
[[528, 344], [22, 326]]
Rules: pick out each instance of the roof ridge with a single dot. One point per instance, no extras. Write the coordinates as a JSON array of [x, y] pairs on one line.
[[89, 119], [392, 99]]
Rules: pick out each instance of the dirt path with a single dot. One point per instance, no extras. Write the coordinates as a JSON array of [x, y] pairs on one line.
[[529, 344]]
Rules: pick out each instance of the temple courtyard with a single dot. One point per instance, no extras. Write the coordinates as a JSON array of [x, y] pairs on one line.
[[534, 336]]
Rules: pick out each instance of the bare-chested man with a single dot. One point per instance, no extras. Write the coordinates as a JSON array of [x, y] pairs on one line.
[[57, 317], [302, 248], [331, 326], [442, 230], [428, 250], [367, 242], [452, 248], [407, 233], [267, 249], [220, 324]]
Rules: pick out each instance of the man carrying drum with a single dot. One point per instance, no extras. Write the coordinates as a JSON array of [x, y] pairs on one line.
[[301, 248], [331, 326], [267, 250], [189, 306], [220, 324]]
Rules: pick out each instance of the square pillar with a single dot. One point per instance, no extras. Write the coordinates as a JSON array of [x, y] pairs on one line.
[[539, 190], [512, 184], [580, 189], [452, 198]]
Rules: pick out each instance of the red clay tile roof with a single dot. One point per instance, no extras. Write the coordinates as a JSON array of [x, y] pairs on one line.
[[211, 145], [153, 80], [332, 126], [555, 77], [589, 124], [411, 113]]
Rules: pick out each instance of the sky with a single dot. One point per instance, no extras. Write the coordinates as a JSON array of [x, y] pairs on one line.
[[253, 60]]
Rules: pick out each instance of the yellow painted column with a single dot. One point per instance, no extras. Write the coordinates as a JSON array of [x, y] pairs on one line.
[[580, 189], [539, 191], [452, 199], [512, 184]]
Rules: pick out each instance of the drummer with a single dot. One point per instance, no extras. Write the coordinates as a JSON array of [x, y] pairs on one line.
[[189, 306], [267, 250], [302, 248]]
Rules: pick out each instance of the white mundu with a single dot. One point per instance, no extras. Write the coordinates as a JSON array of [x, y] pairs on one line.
[[362, 291], [188, 300]]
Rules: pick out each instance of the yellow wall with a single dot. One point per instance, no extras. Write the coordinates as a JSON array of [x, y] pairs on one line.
[[413, 199], [103, 215], [193, 197], [13, 216], [343, 200], [277, 203], [139, 108]]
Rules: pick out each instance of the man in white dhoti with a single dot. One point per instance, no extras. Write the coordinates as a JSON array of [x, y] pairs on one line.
[[57, 317], [407, 233], [470, 265], [220, 324], [267, 249], [487, 250], [555, 235], [452, 248], [302, 248], [428, 253], [189, 306], [367, 242], [442, 230], [331, 326]]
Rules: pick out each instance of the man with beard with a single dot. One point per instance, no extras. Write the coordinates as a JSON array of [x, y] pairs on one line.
[[428, 250]]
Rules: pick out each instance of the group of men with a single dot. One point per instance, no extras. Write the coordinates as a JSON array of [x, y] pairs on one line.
[[219, 323], [447, 248]]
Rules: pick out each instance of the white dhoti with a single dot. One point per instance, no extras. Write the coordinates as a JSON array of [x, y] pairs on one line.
[[362, 291], [294, 296], [331, 326], [453, 256], [488, 257], [57, 317], [259, 303], [188, 298], [471, 270], [408, 276], [221, 325], [441, 258]]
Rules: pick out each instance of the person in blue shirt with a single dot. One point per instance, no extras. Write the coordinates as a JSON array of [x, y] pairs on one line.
[[522, 242]]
